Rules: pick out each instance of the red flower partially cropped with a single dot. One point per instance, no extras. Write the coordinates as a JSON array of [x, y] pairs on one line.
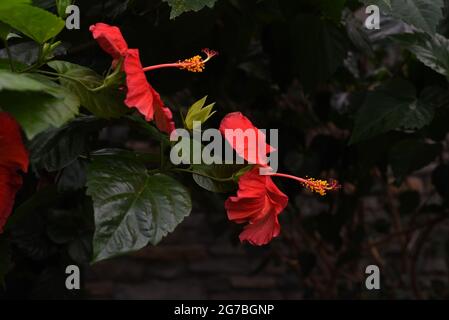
[[240, 129], [13, 157], [258, 202]]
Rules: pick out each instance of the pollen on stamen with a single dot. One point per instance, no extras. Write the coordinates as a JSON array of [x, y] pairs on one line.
[[321, 186], [197, 63]]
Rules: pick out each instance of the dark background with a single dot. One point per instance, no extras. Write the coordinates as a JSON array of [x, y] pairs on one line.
[[293, 66]]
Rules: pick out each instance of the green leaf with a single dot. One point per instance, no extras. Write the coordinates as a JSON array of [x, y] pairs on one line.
[[221, 171], [37, 112], [56, 148], [393, 105], [126, 155], [19, 82], [34, 22], [17, 2], [4, 31], [61, 6], [315, 55], [5, 65], [385, 3], [41, 198], [73, 177], [105, 103], [148, 128], [132, 208], [80, 248], [178, 7], [358, 35], [197, 113], [62, 225], [422, 14], [36, 102], [410, 155], [432, 50], [196, 107]]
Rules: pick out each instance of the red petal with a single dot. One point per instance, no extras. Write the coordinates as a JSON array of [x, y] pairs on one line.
[[110, 39], [277, 198], [241, 210], [250, 202], [257, 196], [10, 183], [140, 92], [142, 95], [250, 152], [262, 231], [258, 202], [163, 116], [13, 154]]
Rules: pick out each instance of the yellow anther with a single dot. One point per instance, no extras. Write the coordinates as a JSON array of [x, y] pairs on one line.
[[197, 63], [320, 186], [194, 64]]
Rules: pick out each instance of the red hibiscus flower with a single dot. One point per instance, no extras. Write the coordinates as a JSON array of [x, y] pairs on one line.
[[140, 94], [259, 201], [13, 157]]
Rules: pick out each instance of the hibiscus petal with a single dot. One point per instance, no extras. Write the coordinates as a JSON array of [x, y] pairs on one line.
[[140, 93], [163, 116], [110, 39], [261, 232], [10, 183], [13, 154], [251, 200], [258, 202], [241, 210], [254, 152], [277, 198]]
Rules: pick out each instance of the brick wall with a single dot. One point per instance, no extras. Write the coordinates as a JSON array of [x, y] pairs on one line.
[[192, 263]]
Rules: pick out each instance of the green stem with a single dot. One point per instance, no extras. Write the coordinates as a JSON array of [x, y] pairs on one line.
[[204, 175], [30, 68]]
